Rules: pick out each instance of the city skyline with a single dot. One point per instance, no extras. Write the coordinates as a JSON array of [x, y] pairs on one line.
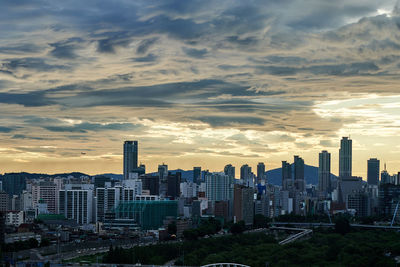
[[198, 83]]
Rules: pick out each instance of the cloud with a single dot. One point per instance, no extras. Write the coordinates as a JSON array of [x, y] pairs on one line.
[[222, 121], [145, 45], [4, 129], [66, 49], [195, 53]]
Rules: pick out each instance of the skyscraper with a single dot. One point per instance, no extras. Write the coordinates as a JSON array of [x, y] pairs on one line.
[[246, 175], [130, 157], [219, 186], [373, 171], [260, 172], [196, 175], [345, 158], [230, 171], [286, 175], [324, 172], [299, 173]]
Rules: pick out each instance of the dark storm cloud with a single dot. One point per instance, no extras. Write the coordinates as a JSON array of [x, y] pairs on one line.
[[30, 99], [20, 49], [195, 53], [66, 49], [86, 126], [148, 58], [30, 63], [222, 121], [4, 129], [356, 68], [145, 45]]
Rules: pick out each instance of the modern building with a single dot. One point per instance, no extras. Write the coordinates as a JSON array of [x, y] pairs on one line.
[[107, 199], [299, 182], [14, 183], [260, 172], [4, 201], [219, 186], [287, 181], [324, 172], [148, 215], [230, 170], [48, 192], [196, 175], [130, 157], [345, 158], [389, 198], [246, 175], [359, 202], [174, 183], [243, 204], [373, 171], [151, 183], [76, 202], [15, 218]]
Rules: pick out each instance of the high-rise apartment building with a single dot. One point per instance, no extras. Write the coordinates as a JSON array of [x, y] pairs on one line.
[[243, 205], [373, 171], [219, 186], [246, 175], [196, 175], [324, 172], [47, 192], [130, 157], [230, 171], [299, 173], [345, 158], [286, 175], [260, 172], [14, 183]]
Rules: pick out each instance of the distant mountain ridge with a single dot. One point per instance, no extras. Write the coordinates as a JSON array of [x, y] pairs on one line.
[[274, 176]]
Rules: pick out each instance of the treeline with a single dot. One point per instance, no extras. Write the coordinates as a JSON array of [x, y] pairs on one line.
[[342, 246], [22, 245]]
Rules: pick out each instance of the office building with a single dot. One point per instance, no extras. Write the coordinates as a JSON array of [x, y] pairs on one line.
[[373, 171], [260, 172], [287, 182], [243, 204], [14, 183], [151, 183], [130, 157], [345, 158], [76, 202], [174, 183], [324, 172], [219, 186], [48, 192], [230, 171], [4, 201], [197, 175], [246, 176], [299, 174], [107, 199], [389, 198]]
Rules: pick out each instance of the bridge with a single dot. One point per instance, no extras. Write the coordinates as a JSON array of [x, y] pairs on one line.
[[292, 238], [225, 265], [313, 225]]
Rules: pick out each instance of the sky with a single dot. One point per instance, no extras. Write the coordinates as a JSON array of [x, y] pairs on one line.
[[197, 83]]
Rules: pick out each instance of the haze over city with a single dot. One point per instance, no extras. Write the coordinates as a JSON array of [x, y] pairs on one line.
[[198, 83]]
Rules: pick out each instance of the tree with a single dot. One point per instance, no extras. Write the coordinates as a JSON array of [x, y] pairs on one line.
[[260, 221], [238, 228], [172, 228], [342, 225]]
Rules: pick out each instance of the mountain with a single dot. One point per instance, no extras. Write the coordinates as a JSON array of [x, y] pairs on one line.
[[310, 175]]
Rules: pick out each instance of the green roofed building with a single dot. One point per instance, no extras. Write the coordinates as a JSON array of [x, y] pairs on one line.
[[149, 215]]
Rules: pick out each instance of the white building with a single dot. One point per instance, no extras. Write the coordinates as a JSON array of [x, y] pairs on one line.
[[15, 218], [47, 192], [188, 189], [76, 202], [219, 186]]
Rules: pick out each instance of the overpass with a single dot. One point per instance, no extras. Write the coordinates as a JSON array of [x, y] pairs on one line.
[[313, 225]]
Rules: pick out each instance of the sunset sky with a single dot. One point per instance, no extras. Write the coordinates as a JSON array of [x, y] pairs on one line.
[[197, 83]]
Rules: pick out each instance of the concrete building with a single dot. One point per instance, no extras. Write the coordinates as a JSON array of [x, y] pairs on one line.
[[4, 201], [261, 173], [130, 157], [14, 218], [246, 176], [243, 204], [197, 175], [48, 192], [299, 182], [287, 181], [14, 183], [324, 172], [373, 171], [230, 170], [345, 158], [76, 202], [219, 186]]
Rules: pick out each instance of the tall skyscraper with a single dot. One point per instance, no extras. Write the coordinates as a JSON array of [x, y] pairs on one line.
[[324, 172], [196, 175], [299, 173], [14, 183], [345, 158], [230, 171], [286, 175], [130, 157], [373, 171], [260, 172], [243, 205], [246, 175]]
